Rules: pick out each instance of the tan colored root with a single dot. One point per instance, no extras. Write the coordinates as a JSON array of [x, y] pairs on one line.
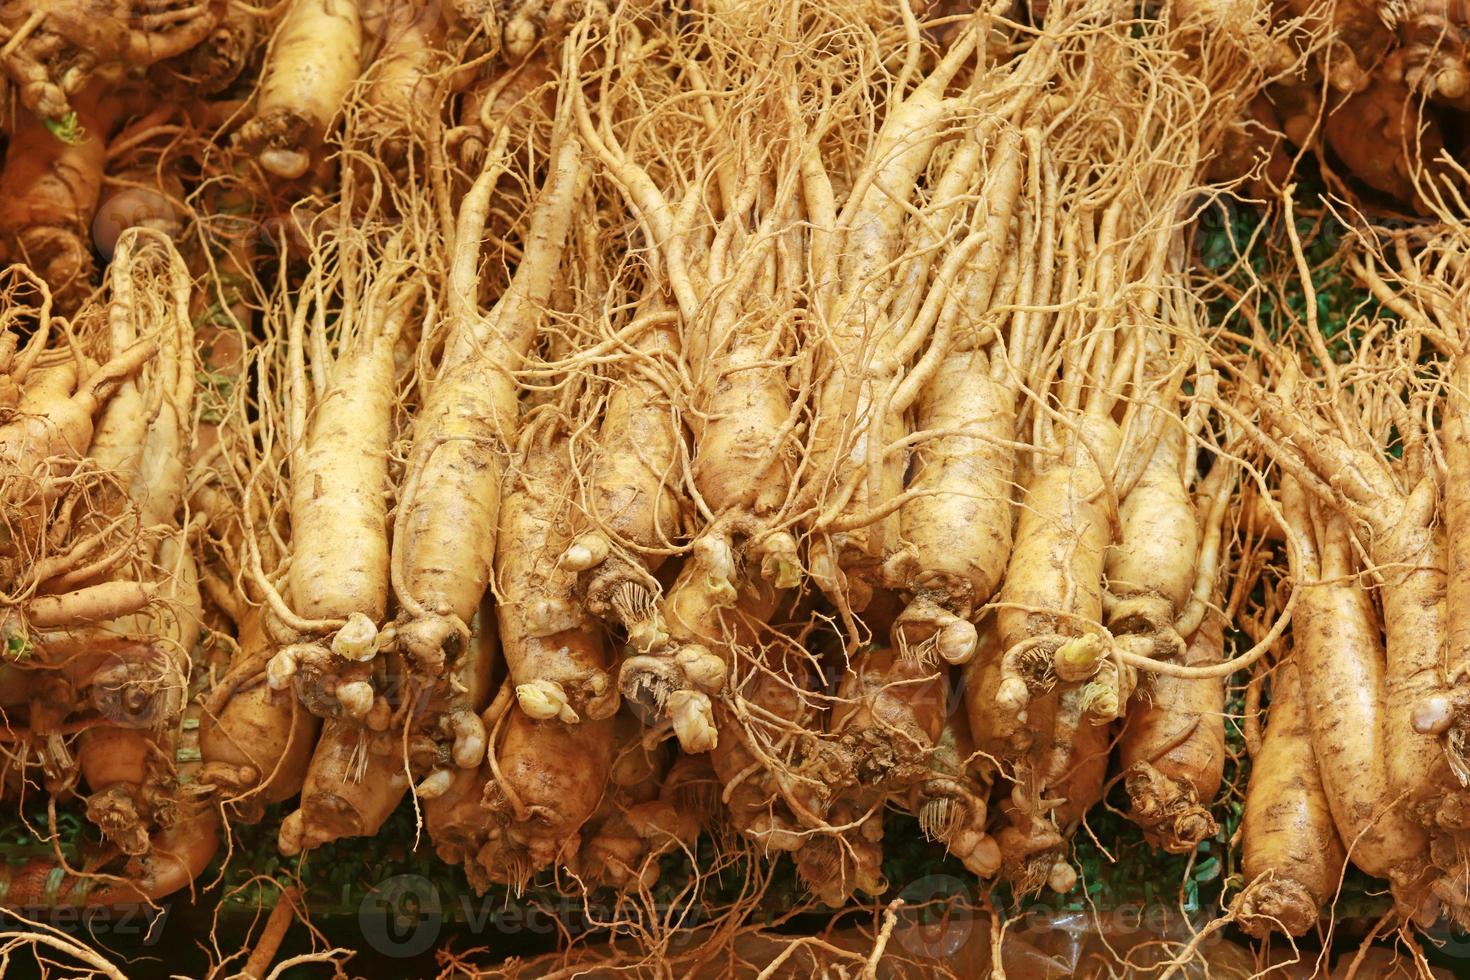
[[547, 779], [355, 779], [1173, 749], [1289, 843], [468, 418], [316, 55], [550, 645], [1063, 528]]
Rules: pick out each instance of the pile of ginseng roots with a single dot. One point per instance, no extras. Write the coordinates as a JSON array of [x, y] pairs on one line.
[[612, 426]]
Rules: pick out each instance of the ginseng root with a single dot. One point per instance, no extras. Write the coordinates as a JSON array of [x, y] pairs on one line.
[[1290, 850], [315, 56], [1173, 749]]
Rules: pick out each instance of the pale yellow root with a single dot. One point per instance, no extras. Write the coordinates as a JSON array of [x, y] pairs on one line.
[[93, 604], [1053, 587], [1173, 749], [451, 488], [951, 802], [406, 83], [955, 531], [956, 542], [1341, 658], [315, 56], [632, 502], [1151, 570], [707, 610], [852, 430], [551, 647], [339, 501], [1290, 850]]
